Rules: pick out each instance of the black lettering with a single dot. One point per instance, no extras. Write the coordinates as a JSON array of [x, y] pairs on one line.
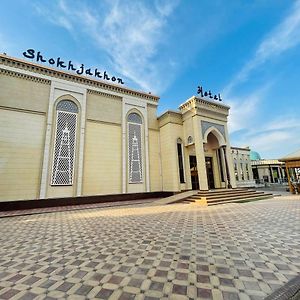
[[79, 72], [220, 99], [71, 66], [113, 78], [88, 72], [97, 73], [105, 76], [200, 91], [120, 81], [60, 63], [29, 53], [210, 95], [40, 57], [51, 61], [215, 97], [205, 94]]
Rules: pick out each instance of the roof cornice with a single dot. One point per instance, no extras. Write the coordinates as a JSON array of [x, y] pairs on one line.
[[69, 76]]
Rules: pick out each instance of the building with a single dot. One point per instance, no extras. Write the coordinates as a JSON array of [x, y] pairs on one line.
[[242, 167], [66, 135], [267, 170], [292, 164]]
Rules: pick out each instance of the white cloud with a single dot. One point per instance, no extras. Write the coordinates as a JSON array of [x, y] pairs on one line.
[[243, 110], [276, 138], [285, 36], [283, 122], [129, 32], [56, 19]]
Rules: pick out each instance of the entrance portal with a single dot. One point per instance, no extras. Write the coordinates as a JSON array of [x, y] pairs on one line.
[[209, 172], [194, 172]]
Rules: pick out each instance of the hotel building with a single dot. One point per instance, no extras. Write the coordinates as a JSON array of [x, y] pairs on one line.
[[67, 135]]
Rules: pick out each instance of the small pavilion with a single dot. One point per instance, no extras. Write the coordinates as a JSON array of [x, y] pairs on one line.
[[292, 164]]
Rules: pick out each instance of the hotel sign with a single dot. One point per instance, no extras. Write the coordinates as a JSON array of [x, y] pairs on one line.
[[68, 65], [208, 94]]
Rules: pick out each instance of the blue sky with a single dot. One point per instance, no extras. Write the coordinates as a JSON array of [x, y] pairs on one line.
[[249, 51]]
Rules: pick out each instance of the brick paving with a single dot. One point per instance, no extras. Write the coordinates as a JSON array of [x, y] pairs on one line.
[[180, 251]]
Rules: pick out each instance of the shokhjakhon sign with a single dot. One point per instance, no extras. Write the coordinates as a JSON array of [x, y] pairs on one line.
[[68, 65]]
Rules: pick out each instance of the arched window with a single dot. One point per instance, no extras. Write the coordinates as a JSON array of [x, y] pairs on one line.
[[236, 170], [64, 143], [135, 157], [180, 160]]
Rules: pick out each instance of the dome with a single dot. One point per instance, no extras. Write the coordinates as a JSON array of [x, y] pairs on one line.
[[254, 155]]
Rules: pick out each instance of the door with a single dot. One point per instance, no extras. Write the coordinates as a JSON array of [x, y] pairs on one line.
[[209, 172], [194, 172]]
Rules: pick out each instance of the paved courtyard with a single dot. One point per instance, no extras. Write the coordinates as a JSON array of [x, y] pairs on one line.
[[180, 251]]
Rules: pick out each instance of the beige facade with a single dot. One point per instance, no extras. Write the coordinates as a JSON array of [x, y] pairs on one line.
[[199, 129], [64, 135], [242, 167]]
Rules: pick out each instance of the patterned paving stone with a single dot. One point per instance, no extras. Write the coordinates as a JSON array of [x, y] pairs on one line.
[[234, 251]]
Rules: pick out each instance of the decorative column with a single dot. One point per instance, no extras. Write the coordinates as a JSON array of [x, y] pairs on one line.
[[279, 174], [200, 155], [227, 168], [223, 166], [271, 174], [289, 179]]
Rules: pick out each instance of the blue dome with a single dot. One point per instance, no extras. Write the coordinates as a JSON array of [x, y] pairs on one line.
[[254, 155]]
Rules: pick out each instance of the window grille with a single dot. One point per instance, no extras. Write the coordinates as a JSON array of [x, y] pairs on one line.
[[134, 118], [242, 172], [65, 143], [67, 105], [135, 159]]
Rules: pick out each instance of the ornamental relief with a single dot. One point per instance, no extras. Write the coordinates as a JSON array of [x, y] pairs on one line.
[[206, 125]]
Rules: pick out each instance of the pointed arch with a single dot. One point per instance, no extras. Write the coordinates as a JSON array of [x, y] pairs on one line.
[[219, 136]]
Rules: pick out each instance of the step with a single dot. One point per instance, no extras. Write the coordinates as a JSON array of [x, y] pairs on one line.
[[224, 193], [238, 200], [209, 196], [210, 200], [221, 191]]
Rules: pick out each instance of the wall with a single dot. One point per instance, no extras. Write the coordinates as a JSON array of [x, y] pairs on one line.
[[102, 159], [21, 148], [155, 161], [103, 107], [27, 92], [169, 134], [23, 107]]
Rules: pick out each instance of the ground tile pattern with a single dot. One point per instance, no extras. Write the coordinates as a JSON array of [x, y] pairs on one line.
[[182, 251]]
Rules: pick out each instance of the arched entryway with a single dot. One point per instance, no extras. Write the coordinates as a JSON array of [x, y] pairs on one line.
[[215, 159]]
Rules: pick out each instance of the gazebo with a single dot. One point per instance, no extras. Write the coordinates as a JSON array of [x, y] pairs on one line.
[[292, 164]]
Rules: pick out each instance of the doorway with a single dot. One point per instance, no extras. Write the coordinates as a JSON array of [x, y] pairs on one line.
[[209, 172], [194, 172]]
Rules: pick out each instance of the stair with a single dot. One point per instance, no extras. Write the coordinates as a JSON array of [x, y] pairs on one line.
[[223, 196]]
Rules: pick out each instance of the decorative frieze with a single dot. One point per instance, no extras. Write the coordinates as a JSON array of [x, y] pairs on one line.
[[93, 92], [16, 63], [24, 76]]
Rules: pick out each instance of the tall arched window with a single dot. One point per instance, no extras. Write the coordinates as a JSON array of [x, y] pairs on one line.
[[135, 156], [180, 160], [64, 143], [236, 170]]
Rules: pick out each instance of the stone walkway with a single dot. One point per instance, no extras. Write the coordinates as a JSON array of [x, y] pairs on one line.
[[181, 251]]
